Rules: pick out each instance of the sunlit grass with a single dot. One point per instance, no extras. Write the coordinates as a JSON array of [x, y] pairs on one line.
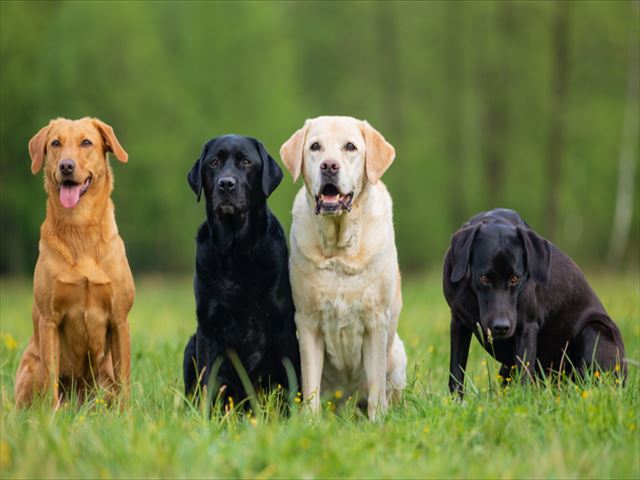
[[585, 429]]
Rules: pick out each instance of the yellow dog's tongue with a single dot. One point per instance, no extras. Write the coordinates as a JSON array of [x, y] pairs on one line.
[[69, 195]]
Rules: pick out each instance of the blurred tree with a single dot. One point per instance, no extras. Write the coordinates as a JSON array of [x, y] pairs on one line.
[[628, 157], [463, 90], [560, 55]]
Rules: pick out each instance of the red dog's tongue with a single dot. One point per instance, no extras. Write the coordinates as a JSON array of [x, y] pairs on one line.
[[69, 195]]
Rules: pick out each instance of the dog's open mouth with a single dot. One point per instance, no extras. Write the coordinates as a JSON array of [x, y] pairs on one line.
[[331, 200], [70, 192]]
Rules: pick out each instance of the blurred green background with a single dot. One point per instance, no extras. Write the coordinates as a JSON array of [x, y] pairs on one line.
[[527, 105]]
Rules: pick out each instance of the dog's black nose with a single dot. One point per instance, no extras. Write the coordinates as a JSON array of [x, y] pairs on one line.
[[500, 327], [329, 167], [226, 184], [67, 166]]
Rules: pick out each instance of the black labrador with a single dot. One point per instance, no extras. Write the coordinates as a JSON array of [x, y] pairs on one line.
[[527, 302], [243, 295]]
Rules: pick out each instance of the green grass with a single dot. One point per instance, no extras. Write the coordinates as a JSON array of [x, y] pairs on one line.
[[588, 430]]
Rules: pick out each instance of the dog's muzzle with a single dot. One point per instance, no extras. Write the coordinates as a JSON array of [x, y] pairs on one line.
[[331, 201]]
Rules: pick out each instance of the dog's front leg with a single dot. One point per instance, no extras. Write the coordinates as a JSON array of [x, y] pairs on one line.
[[526, 344], [374, 354], [460, 337], [50, 355], [311, 360], [121, 354]]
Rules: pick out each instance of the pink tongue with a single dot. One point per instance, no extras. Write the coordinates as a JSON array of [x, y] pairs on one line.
[[69, 196], [329, 198]]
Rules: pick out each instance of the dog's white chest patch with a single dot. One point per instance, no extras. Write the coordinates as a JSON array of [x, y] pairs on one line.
[[342, 324]]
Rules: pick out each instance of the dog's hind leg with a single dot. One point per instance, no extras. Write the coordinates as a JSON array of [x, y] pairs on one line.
[[595, 348], [396, 371], [29, 378]]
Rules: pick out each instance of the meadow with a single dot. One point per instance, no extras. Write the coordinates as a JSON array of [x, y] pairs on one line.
[[585, 430]]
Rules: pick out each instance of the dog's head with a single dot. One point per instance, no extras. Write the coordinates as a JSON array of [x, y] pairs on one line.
[[496, 261], [73, 154], [236, 173], [336, 156]]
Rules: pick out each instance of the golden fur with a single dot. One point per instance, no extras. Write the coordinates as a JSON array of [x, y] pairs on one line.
[[83, 287]]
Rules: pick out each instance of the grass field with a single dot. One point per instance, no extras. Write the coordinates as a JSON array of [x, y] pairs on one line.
[[589, 430]]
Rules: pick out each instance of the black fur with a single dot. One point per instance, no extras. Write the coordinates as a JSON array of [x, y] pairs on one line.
[[242, 289], [533, 304]]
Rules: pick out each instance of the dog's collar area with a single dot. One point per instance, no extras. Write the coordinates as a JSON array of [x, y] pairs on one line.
[[330, 200]]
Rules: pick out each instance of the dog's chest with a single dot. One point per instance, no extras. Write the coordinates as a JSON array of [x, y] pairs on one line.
[[346, 306], [83, 301]]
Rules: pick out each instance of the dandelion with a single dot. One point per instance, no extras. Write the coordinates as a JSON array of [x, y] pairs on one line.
[[253, 421], [617, 367], [5, 454], [338, 394], [9, 341], [597, 374], [499, 377], [508, 379], [585, 394], [230, 400]]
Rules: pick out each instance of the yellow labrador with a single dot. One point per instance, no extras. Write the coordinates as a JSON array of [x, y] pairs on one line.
[[344, 266]]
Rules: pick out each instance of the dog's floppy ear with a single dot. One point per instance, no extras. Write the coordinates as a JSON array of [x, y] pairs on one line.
[[538, 252], [461, 243], [110, 140], [380, 153], [291, 151], [271, 171], [195, 174], [37, 149]]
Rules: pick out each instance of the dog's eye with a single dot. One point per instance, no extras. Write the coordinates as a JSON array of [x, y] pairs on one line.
[[484, 280], [315, 146], [215, 163], [245, 162], [56, 143], [86, 143], [515, 279], [350, 147]]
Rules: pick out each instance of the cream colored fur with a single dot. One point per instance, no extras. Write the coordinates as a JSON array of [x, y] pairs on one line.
[[344, 268]]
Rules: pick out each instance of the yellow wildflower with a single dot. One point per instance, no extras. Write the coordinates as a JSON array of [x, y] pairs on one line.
[[597, 374], [5, 454], [9, 341], [338, 394], [617, 367], [585, 394]]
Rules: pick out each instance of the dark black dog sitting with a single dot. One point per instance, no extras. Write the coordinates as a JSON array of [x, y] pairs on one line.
[[242, 289], [527, 302]]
